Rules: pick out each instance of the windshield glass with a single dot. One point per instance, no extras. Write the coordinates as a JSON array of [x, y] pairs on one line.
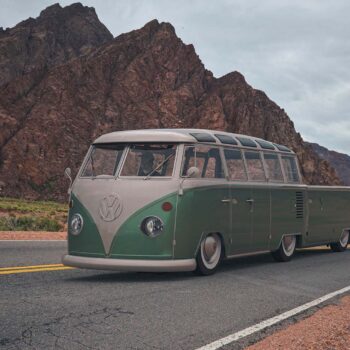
[[103, 160], [149, 160]]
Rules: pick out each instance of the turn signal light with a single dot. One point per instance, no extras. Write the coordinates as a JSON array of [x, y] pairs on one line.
[[167, 206]]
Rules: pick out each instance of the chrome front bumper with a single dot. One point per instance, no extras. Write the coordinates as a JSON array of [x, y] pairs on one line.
[[130, 264]]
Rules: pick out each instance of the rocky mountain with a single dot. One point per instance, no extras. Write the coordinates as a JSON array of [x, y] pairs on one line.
[[56, 36], [147, 78], [339, 161]]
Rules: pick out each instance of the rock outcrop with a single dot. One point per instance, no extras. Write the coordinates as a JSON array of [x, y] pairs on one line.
[[339, 161], [56, 36], [147, 78]]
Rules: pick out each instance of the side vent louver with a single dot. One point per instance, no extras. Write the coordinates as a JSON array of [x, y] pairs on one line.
[[299, 205]]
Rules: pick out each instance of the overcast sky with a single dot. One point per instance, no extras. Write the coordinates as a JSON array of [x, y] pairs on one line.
[[298, 52]]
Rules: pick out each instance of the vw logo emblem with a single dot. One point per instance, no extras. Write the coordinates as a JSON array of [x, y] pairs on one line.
[[110, 207]]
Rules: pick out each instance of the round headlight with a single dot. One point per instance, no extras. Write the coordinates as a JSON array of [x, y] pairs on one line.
[[76, 224], [152, 226]]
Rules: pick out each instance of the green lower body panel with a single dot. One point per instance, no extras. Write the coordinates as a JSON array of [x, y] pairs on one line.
[[88, 242]]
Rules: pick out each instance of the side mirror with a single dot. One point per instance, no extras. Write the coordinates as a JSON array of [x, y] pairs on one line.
[[68, 173], [193, 172]]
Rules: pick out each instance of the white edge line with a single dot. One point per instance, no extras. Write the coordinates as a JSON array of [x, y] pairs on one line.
[[271, 321]]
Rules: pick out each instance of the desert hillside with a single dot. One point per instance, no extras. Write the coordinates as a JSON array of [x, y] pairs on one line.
[[65, 81]]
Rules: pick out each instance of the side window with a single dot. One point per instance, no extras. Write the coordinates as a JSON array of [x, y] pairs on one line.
[[290, 169], [235, 164], [254, 166], [206, 158], [273, 167]]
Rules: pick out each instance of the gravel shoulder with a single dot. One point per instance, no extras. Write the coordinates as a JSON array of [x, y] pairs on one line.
[[32, 235], [328, 328]]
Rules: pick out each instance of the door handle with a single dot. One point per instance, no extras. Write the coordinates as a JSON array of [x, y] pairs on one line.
[[251, 201], [225, 200]]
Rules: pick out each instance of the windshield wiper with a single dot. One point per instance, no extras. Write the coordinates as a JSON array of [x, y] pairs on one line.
[[158, 166], [92, 163]]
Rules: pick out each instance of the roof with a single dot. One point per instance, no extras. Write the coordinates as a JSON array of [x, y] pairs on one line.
[[189, 136]]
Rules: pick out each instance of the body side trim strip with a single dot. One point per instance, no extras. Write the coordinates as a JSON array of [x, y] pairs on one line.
[[248, 254]]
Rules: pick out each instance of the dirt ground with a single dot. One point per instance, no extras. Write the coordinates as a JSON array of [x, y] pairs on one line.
[[32, 235], [327, 329]]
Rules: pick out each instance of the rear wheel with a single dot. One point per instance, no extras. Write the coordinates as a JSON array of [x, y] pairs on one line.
[[342, 244], [209, 255], [286, 249]]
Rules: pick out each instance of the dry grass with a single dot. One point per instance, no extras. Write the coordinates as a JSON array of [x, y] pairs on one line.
[[26, 215]]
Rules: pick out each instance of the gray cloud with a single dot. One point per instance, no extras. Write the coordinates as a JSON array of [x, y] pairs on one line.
[[298, 52]]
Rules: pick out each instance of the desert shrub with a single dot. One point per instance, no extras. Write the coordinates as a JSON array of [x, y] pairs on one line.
[[28, 223]]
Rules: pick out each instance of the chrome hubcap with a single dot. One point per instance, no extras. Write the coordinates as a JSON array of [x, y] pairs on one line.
[[344, 239], [288, 244], [211, 250], [210, 246]]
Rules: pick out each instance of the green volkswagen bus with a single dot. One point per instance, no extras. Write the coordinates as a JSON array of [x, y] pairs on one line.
[[184, 199]]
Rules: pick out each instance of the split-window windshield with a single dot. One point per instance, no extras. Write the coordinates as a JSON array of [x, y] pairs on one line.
[[149, 160], [103, 160]]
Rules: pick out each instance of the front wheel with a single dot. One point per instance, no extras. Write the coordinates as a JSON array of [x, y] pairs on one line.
[[342, 244], [209, 255], [286, 249]]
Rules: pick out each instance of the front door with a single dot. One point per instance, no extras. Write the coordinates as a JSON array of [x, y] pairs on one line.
[[204, 206]]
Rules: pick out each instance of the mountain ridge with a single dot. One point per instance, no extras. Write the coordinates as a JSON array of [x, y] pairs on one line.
[[54, 37], [339, 161], [147, 78]]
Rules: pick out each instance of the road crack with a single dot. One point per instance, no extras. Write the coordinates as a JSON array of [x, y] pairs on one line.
[[78, 330]]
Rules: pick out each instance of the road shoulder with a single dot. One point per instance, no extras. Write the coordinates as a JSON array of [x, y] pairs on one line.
[[327, 328], [32, 235]]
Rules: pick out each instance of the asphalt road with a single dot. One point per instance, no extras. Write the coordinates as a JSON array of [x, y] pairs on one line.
[[81, 309]]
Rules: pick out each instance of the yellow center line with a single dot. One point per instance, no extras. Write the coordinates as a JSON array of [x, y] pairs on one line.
[[36, 268], [29, 267]]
